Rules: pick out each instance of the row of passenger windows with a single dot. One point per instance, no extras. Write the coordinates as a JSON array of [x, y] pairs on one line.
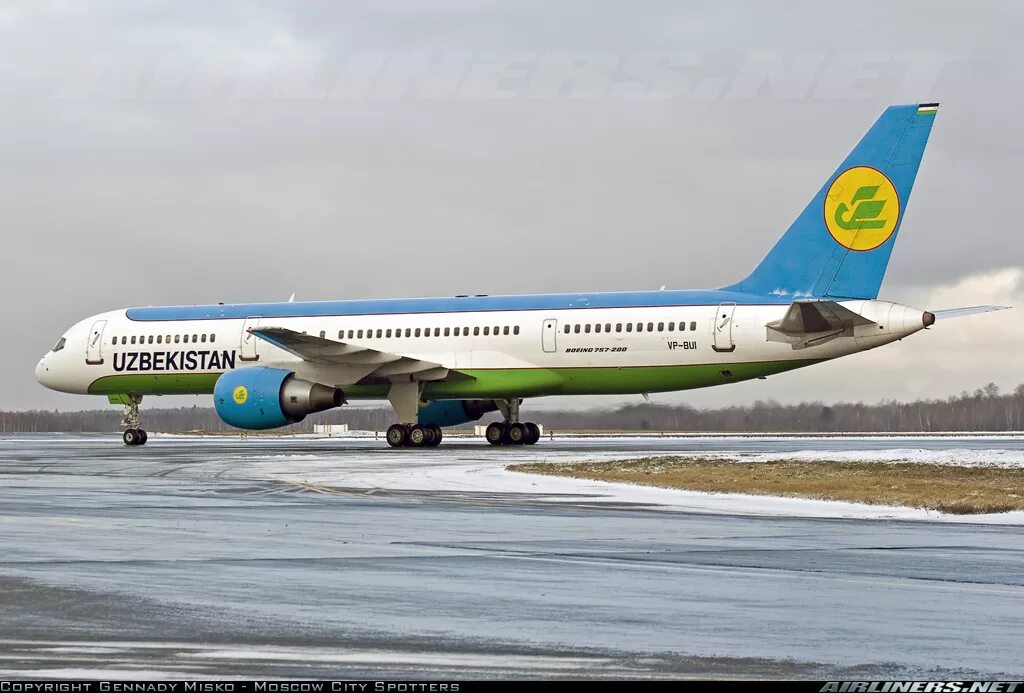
[[629, 327], [486, 331], [161, 339]]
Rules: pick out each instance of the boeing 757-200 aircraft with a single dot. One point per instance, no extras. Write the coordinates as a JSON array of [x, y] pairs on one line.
[[447, 361]]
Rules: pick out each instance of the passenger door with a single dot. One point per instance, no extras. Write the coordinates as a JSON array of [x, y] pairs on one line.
[[723, 328], [247, 344], [94, 347], [549, 336]]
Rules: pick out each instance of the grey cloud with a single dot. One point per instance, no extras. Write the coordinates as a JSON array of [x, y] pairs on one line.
[[178, 152]]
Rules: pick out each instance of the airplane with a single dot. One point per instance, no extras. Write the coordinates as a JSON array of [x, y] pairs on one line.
[[447, 361]]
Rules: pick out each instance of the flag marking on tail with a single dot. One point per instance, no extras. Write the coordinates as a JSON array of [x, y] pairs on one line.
[[862, 208]]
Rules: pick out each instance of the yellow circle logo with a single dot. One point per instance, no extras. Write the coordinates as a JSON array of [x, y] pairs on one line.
[[240, 394], [861, 208]]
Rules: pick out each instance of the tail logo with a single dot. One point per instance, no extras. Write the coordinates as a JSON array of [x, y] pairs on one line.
[[862, 208]]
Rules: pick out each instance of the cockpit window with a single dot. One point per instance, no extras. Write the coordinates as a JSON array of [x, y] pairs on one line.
[[59, 345]]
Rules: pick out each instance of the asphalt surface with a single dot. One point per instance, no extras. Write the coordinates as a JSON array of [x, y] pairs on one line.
[[189, 558]]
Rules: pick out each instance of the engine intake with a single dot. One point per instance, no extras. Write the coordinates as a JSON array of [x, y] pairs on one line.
[[259, 398]]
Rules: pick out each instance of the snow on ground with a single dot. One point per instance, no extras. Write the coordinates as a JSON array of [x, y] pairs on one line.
[[469, 472]]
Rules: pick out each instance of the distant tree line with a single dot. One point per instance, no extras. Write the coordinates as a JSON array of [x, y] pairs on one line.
[[986, 409]]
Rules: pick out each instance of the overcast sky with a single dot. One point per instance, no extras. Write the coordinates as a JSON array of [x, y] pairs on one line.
[[194, 152]]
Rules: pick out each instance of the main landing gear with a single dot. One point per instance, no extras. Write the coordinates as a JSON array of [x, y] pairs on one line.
[[414, 436], [133, 435], [511, 431]]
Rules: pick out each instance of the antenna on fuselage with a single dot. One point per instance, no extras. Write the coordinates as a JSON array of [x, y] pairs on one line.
[[291, 299]]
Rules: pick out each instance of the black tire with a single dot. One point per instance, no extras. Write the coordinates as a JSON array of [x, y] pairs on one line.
[[397, 435], [516, 434], [130, 437], [532, 433], [438, 435], [143, 437], [495, 433], [418, 436]]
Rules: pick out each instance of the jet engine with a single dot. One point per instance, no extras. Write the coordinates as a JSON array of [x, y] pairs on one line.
[[258, 398]]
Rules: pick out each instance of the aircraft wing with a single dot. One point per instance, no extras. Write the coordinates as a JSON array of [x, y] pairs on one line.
[[960, 312], [329, 352]]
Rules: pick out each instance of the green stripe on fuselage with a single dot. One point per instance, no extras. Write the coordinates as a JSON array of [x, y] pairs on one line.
[[487, 384]]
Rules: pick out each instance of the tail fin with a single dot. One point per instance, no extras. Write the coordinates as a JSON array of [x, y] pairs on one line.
[[840, 244]]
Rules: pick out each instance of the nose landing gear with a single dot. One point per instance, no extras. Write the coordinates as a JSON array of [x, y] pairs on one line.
[[133, 435]]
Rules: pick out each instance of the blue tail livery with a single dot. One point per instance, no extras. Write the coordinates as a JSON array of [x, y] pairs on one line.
[[840, 244]]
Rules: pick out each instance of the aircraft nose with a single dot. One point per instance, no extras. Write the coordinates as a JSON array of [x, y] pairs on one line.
[[43, 372]]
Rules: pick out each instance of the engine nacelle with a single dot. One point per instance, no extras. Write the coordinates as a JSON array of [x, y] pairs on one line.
[[452, 412], [258, 398]]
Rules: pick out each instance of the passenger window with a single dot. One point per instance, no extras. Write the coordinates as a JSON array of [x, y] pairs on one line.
[[515, 330], [457, 331], [417, 332], [437, 331], [629, 327], [212, 337], [661, 327], [567, 328], [408, 332], [388, 334], [447, 331], [618, 327], [350, 334], [639, 327], [496, 330], [693, 325], [341, 334], [177, 339], [607, 327], [150, 339], [159, 339], [359, 334], [203, 337], [124, 340], [133, 339], [586, 328], [597, 327], [650, 327], [671, 326], [487, 331], [576, 329], [505, 330], [476, 332]]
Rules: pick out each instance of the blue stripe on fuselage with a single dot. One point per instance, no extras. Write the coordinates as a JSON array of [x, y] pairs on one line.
[[396, 306]]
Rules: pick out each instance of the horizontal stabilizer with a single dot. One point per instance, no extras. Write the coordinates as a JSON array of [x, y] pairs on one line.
[[961, 312], [810, 323]]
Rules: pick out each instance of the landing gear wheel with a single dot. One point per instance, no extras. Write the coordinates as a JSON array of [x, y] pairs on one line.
[[131, 437], [532, 433], [397, 436], [436, 435], [516, 434], [143, 437], [495, 433], [418, 436]]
